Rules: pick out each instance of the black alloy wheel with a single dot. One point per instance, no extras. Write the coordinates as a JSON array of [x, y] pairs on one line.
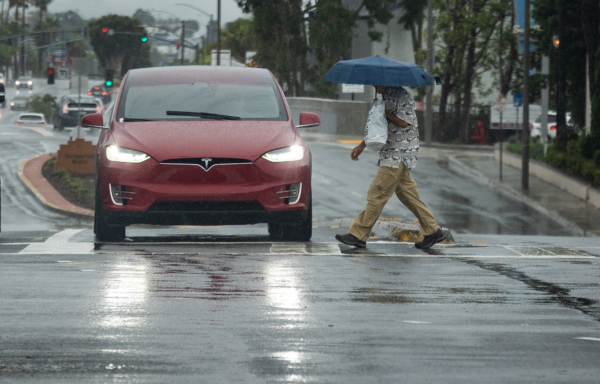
[[102, 228], [294, 232]]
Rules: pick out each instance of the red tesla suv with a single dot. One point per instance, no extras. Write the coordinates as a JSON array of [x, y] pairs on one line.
[[202, 146]]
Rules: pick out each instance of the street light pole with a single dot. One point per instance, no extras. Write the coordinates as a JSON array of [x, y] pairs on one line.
[[429, 99], [561, 80], [218, 32], [182, 41], [526, 133]]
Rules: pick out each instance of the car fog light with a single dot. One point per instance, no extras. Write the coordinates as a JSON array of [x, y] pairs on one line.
[[125, 155], [293, 153], [116, 194], [292, 192]]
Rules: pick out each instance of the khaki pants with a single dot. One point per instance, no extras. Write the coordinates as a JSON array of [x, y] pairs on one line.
[[387, 181]]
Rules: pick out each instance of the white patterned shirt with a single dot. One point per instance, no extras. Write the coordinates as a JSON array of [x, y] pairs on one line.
[[402, 143]]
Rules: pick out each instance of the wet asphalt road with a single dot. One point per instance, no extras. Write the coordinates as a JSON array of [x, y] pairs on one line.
[[227, 305]]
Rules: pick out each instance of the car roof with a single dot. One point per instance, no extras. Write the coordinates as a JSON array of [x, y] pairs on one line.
[[191, 74]]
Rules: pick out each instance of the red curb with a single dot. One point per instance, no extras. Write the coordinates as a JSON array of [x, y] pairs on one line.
[[30, 173]]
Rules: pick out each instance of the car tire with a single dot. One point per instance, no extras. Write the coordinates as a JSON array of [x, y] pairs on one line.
[[102, 228], [294, 232]]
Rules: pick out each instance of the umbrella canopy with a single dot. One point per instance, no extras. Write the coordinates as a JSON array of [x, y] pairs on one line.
[[377, 70]]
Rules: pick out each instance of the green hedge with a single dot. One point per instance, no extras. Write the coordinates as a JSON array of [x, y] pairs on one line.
[[572, 161]]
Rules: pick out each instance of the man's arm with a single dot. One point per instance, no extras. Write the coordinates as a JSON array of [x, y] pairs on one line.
[[396, 120], [357, 151]]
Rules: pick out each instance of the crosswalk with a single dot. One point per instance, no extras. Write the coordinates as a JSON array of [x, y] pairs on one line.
[[69, 242]]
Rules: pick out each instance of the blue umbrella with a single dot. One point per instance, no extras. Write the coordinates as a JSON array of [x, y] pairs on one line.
[[377, 70]]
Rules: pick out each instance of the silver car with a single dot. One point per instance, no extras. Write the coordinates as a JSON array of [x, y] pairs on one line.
[[18, 102]]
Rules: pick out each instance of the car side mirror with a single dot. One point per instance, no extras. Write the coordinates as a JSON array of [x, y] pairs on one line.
[[93, 120], [308, 120]]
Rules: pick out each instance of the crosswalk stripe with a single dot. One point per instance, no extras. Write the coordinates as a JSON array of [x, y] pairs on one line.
[[58, 244]]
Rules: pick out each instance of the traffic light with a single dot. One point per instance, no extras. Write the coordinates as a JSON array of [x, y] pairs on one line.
[[177, 45], [144, 37], [104, 33], [109, 77], [50, 75]]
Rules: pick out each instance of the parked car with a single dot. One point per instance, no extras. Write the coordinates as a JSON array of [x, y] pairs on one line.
[[2, 78], [202, 146], [101, 92], [536, 127], [18, 102], [31, 119], [68, 110], [24, 82]]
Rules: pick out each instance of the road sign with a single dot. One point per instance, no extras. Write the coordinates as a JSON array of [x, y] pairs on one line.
[[518, 100], [353, 88]]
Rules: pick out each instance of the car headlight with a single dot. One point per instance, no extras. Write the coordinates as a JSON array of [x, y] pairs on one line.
[[125, 155], [12, 104], [17, 82], [30, 82], [293, 153]]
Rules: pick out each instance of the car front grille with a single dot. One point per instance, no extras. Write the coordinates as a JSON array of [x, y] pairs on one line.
[[206, 206], [206, 163]]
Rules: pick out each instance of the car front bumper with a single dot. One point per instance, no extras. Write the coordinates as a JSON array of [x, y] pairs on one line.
[[178, 194]]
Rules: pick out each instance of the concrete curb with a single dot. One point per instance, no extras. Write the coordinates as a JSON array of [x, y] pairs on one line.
[[553, 177], [465, 170], [401, 232], [31, 189]]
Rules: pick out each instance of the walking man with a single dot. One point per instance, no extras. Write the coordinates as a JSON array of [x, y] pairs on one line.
[[397, 157]]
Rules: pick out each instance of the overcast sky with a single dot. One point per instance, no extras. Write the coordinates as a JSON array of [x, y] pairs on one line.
[[96, 8]]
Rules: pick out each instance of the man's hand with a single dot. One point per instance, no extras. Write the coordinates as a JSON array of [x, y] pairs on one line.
[[357, 151]]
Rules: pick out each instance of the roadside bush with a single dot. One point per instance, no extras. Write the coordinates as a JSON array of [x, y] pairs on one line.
[[42, 104], [572, 161], [73, 183]]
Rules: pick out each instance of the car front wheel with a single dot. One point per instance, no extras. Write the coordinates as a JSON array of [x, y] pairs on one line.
[[102, 229], [294, 232]]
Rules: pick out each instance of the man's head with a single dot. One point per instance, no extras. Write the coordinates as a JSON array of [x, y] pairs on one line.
[[381, 89]]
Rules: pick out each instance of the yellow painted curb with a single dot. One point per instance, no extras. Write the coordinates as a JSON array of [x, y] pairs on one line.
[[39, 195]]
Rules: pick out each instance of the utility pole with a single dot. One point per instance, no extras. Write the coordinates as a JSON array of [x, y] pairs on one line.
[[23, 45], [182, 40], [218, 32], [526, 133], [561, 80], [429, 98]]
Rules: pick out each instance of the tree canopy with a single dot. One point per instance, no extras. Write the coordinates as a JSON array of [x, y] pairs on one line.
[[120, 51]]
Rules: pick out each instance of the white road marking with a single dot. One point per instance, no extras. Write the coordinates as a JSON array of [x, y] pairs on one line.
[[357, 194], [28, 147], [289, 248], [40, 131], [588, 338], [58, 244], [416, 322]]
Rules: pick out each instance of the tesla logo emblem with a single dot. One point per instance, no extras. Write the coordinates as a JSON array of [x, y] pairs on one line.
[[206, 162]]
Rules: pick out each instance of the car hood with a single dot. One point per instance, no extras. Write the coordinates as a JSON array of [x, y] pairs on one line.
[[165, 140]]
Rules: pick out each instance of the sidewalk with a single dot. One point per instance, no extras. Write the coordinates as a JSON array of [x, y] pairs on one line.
[[562, 206]]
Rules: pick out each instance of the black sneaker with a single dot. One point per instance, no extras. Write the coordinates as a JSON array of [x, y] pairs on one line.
[[428, 241], [351, 240]]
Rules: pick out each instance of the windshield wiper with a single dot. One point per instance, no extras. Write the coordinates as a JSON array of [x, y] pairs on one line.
[[204, 115], [126, 119]]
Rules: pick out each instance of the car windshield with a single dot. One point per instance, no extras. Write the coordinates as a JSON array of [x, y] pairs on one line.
[[24, 78], [205, 98], [84, 100], [31, 118], [20, 98]]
